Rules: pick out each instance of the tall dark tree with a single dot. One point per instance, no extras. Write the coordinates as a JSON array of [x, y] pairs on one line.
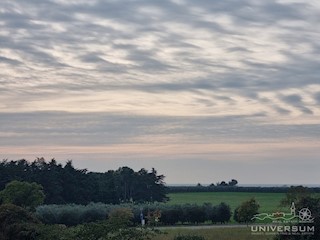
[[66, 184]]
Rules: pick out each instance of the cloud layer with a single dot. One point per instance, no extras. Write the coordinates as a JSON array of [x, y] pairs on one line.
[[116, 74]]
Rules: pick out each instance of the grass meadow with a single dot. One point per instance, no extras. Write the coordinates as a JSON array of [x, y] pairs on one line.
[[242, 233], [269, 202]]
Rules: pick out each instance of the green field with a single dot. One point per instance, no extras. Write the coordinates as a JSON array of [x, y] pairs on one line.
[[214, 233], [269, 202]]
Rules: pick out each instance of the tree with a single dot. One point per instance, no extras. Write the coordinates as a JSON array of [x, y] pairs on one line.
[[233, 182], [66, 184], [245, 212], [313, 204], [295, 194], [194, 214], [223, 213], [125, 183], [141, 186], [223, 183], [23, 194], [171, 215], [16, 223]]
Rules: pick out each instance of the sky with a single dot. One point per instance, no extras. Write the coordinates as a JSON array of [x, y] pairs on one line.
[[203, 91]]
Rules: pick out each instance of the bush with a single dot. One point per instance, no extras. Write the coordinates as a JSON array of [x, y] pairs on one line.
[[23, 194], [94, 231], [112, 231], [245, 212], [121, 216], [188, 237], [72, 214], [171, 216], [194, 214], [313, 204], [57, 232], [16, 223], [222, 213]]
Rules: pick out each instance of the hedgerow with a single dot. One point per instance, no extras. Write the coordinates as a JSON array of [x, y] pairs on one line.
[[153, 214]]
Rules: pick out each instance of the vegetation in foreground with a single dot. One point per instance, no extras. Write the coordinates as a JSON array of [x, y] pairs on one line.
[[211, 234], [16, 223], [20, 199], [71, 215]]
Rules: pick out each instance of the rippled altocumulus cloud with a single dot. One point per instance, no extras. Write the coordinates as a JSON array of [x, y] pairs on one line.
[[89, 73], [241, 48]]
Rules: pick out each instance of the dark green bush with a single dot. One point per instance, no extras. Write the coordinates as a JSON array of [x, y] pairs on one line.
[[171, 216], [16, 223], [56, 232], [222, 213], [193, 213], [113, 231], [189, 237], [72, 214]]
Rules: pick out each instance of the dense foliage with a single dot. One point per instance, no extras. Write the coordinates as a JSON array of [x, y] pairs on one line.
[[17, 223], [23, 194], [313, 204], [71, 215], [66, 184], [245, 212], [295, 194], [189, 237]]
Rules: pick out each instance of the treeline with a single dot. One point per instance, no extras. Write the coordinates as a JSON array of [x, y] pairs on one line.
[[65, 184], [218, 188], [154, 214]]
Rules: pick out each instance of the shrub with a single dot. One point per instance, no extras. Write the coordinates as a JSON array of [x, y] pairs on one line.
[[70, 217], [72, 214], [246, 211], [171, 216], [209, 211], [194, 214], [16, 223], [58, 232], [189, 237], [93, 231], [112, 231], [121, 216], [23, 194], [223, 213], [92, 215]]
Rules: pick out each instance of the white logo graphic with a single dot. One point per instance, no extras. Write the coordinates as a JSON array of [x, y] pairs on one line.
[[304, 215]]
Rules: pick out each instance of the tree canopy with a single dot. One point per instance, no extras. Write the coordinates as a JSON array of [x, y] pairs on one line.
[[23, 194], [295, 194], [245, 212], [66, 184]]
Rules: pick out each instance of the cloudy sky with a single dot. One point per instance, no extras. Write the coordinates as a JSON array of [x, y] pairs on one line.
[[203, 91]]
